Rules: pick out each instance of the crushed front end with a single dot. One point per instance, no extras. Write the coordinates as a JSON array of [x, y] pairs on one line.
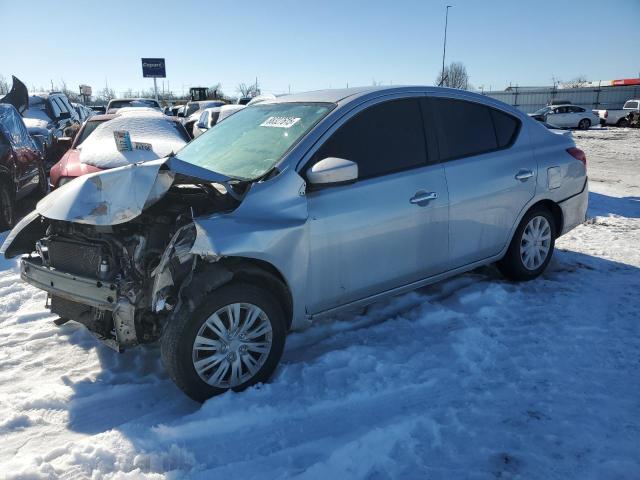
[[104, 274]]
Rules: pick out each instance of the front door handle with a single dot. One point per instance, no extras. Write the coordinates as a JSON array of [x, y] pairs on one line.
[[421, 198], [524, 175]]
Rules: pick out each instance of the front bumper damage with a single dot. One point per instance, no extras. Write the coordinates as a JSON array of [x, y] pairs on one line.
[[82, 291]]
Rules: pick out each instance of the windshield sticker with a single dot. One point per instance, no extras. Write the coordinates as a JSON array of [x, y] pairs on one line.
[[280, 122], [123, 140]]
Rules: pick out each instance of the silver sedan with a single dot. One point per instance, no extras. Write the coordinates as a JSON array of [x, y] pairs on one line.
[[295, 209]]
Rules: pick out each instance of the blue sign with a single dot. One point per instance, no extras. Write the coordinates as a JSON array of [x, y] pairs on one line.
[[153, 68]]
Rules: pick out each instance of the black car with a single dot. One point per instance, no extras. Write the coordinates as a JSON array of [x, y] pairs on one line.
[[21, 164]]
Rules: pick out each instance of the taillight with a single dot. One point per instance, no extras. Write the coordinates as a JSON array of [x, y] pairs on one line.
[[606, 113], [578, 154]]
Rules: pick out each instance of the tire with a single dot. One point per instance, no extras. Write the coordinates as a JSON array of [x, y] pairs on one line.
[[180, 354], [43, 183], [513, 265], [584, 124], [622, 123], [7, 205]]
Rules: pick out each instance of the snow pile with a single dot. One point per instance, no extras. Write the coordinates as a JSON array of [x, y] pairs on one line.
[[35, 123], [474, 378], [99, 149]]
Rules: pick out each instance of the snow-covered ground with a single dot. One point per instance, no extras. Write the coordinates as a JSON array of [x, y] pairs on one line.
[[472, 378]]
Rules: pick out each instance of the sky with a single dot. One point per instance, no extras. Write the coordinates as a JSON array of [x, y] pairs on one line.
[[302, 45]]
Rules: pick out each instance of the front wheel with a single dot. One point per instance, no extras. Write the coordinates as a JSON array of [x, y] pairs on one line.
[[7, 205], [531, 247], [232, 340]]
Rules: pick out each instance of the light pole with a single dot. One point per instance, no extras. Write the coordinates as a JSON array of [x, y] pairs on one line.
[[444, 47]]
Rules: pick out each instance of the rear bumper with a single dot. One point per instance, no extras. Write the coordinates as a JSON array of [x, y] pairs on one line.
[[574, 209]]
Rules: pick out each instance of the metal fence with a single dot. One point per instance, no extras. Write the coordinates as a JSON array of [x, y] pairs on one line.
[[596, 98]]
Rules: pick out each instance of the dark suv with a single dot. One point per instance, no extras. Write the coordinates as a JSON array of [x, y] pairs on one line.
[[21, 164]]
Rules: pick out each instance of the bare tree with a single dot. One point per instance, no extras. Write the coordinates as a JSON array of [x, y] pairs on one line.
[[106, 94], [454, 75], [4, 85], [251, 90], [71, 95], [579, 81]]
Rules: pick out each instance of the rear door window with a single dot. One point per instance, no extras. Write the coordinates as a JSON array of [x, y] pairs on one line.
[[463, 128], [383, 139]]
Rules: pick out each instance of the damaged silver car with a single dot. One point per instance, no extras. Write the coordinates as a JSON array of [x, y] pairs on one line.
[[294, 209]]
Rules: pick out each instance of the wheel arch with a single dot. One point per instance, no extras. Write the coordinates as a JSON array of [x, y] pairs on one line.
[[555, 210], [250, 270]]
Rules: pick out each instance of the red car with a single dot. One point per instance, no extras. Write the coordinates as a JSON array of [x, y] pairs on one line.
[[70, 166], [21, 164]]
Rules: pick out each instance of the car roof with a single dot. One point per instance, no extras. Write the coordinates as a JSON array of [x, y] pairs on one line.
[[343, 96], [101, 118], [132, 99]]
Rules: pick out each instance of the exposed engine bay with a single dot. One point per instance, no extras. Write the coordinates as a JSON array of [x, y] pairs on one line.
[[106, 274]]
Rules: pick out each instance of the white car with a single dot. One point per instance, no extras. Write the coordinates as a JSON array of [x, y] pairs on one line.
[[567, 116], [211, 116]]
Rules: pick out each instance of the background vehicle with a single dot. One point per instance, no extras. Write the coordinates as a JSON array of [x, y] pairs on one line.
[[211, 116], [98, 109], [69, 165], [83, 112], [567, 116], [619, 118], [43, 138], [163, 135], [21, 164], [118, 103], [192, 111], [323, 202]]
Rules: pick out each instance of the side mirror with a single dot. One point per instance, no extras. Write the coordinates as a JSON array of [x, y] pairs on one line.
[[64, 115], [181, 114], [332, 171], [201, 126]]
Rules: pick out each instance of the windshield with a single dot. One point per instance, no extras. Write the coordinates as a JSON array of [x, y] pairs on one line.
[[133, 103], [542, 111], [88, 129], [249, 143]]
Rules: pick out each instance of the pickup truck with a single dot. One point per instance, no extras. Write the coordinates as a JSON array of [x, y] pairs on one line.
[[619, 118]]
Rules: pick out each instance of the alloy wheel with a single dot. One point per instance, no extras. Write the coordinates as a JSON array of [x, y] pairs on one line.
[[232, 345], [535, 243]]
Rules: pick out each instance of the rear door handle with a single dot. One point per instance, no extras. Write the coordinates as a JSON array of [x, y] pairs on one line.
[[423, 197], [523, 175]]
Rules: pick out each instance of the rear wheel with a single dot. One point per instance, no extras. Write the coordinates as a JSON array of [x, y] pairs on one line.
[[7, 205], [531, 247], [232, 340], [622, 123], [584, 124]]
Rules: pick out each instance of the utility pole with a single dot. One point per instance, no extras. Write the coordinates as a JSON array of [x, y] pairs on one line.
[[444, 46]]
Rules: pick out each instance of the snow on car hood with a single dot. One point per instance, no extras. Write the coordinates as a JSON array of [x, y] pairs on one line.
[[118, 195], [99, 149]]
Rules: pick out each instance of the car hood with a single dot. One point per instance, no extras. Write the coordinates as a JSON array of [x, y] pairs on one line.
[[118, 195], [18, 96]]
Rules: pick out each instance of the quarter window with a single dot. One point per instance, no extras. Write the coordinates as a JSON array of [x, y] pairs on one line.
[[384, 138], [506, 127]]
